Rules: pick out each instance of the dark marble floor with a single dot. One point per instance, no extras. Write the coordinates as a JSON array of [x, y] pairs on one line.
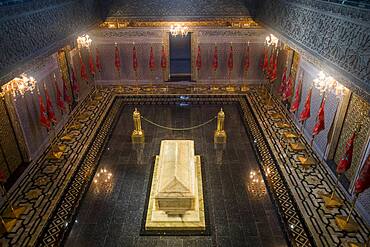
[[240, 211]]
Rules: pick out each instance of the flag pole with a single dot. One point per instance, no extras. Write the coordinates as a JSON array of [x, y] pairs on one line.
[[137, 82]]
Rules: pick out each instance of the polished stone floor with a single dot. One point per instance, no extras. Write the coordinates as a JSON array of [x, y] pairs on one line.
[[240, 211]]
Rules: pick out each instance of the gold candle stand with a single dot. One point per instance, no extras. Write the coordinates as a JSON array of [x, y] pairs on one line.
[[137, 135], [220, 134]]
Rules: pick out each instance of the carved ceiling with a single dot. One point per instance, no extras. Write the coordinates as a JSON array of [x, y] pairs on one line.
[[177, 9]]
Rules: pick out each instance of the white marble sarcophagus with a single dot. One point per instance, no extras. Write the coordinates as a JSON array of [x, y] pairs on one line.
[[176, 177], [176, 194]]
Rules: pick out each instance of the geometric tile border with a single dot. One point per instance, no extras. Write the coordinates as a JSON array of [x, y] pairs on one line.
[[52, 189], [294, 224], [67, 208], [43, 184], [305, 185], [288, 212]]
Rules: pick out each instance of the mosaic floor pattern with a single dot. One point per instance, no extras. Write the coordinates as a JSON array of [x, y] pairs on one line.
[[52, 189], [240, 212]]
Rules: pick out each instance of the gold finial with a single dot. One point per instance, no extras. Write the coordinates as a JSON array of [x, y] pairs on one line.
[[220, 134], [137, 135]]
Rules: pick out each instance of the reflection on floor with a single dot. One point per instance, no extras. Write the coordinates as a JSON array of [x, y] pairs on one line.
[[239, 209]]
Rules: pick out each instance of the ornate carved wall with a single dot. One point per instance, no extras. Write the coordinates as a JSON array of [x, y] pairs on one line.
[[357, 111], [335, 38], [27, 107], [38, 27], [143, 39], [170, 9], [10, 156], [320, 141]]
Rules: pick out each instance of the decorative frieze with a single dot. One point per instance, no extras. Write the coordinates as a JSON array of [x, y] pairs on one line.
[[337, 44], [29, 34]]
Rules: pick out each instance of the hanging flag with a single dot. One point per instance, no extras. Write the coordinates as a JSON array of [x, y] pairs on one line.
[[306, 113], [198, 61], [44, 121], [97, 60], [246, 59], [230, 60], [297, 97], [215, 59], [60, 102], [75, 86], [117, 58], [345, 162], [163, 59], [288, 89], [273, 76], [260, 63], [83, 70], [283, 81], [134, 59], [91, 65], [363, 181], [66, 96], [320, 123], [265, 59], [151, 60], [49, 107], [271, 63]]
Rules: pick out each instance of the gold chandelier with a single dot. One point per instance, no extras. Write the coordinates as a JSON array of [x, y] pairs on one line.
[[272, 40], [325, 83], [179, 29], [19, 86], [84, 41]]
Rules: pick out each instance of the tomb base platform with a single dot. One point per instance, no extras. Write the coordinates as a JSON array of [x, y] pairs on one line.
[[192, 220]]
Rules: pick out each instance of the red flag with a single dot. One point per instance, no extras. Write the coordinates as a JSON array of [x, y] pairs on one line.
[[75, 87], [198, 61], [66, 96], [83, 70], [345, 162], [44, 121], [288, 89], [117, 58], [230, 60], [97, 60], [163, 59], [151, 59], [306, 113], [297, 97], [283, 81], [363, 182], [134, 59], [260, 64], [91, 65], [49, 107], [265, 59], [246, 59], [215, 59], [274, 68], [271, 63], [320, 123], [60, 102]]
